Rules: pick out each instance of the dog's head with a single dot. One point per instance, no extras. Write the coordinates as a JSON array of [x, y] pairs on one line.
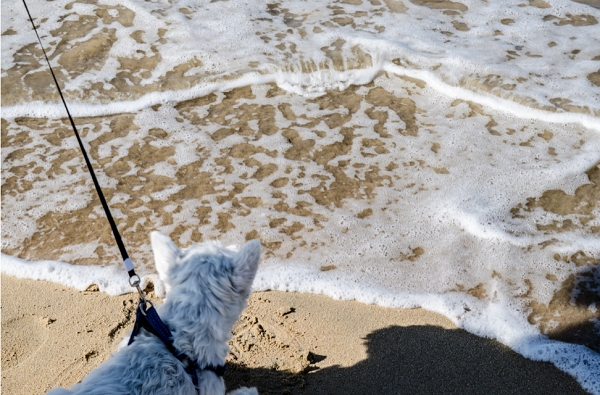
[[207, 271], [207, 288]]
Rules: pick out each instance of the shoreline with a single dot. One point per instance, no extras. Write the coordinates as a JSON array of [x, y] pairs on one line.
[[285, 342]]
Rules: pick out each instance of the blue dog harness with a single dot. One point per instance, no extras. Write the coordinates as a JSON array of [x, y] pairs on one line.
[[148, 319]]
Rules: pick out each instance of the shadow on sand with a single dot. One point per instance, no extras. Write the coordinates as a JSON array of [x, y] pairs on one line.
[[416, 360], [581, 291]]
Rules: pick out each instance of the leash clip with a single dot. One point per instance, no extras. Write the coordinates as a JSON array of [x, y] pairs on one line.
[[135, 281]]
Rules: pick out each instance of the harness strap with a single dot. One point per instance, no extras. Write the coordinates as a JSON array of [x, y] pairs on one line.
[[127, 262], [148, 319]]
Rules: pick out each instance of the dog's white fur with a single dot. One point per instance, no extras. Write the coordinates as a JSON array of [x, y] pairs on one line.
[[207, 288]]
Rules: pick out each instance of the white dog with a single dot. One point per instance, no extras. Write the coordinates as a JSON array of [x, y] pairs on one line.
[[207, 289]]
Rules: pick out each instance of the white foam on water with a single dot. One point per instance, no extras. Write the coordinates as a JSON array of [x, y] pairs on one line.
[[308, 85], [507, 106], [539, 54], [110, 279]]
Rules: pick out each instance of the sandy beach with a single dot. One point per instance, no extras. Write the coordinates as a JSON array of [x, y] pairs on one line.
[[284, 343]]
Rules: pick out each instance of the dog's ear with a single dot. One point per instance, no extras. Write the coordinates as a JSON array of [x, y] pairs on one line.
[[165, 253], [245, 265]]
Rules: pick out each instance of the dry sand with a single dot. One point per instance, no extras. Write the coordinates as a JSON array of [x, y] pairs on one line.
[[284, 343]]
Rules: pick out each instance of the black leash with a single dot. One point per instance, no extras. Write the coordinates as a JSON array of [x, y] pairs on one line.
[[146, 318], [127, 262]]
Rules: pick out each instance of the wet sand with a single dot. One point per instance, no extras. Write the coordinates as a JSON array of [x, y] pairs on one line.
[[284, 343], [352, 180]]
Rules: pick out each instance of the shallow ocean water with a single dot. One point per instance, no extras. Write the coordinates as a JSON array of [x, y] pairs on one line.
[[407, 153]]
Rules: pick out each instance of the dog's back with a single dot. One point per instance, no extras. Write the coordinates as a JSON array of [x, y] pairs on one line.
[[207, 288]]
